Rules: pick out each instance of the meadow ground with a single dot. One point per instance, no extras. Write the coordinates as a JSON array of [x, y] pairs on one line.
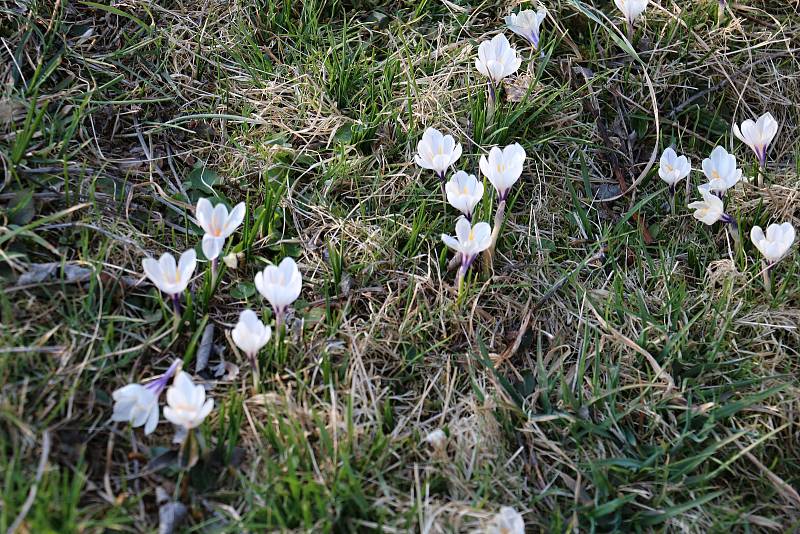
[[621, 368]]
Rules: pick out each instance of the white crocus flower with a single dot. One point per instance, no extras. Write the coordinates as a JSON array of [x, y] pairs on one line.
[[137, 404], [170, 277], [710, 210], [469, 241], [187, 405], [217, 224], [280, 285], [758, 135], [507, 521], [464, 192], [496, 60], [776, 243], [437, 152], [250, 334], [673, 168], [503, 167], [632, 9], [720, 169], [526, 24]]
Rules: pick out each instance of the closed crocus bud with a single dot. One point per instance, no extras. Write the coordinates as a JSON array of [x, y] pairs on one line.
[[507, 521], [170, 277], [231, 260], [526, 24], [250, 334], [469, 241], [710, 209], [673, 168], [436, 439], [503, 167], [217, 224], [720, 169], [631, 9], [464, 192], [187, 406], [497, 59], [280, 285], [776, 243], [758, 135], [437, 152]]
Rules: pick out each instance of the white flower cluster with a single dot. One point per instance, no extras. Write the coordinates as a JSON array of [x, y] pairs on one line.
[[722, 172], [187, 405]]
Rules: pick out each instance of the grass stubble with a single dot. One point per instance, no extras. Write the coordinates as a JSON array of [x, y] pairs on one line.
[[621, 368]]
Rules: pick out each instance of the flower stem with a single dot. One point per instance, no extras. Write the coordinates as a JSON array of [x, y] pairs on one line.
[[766, 273], [256, 375], [214, 265], [462, 274], [492, 102], [176, 306], [499, 217], [672, 198]]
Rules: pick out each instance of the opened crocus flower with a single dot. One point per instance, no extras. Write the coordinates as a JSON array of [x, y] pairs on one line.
[[280, 285], [631, 9], [250, 334], [464, 192], [758, 135], [217, 224], [187, 405], [469, 241], [776, 243], [137, 404], [503, 167], [720, 169], [526, 24], [507, 521], [437, 152], [710, 210], [496, 60], [170, 277]]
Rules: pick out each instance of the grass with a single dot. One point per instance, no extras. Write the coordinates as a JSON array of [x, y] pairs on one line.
[[621, 369]]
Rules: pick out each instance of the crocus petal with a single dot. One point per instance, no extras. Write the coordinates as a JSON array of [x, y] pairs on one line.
[[234, 219]]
